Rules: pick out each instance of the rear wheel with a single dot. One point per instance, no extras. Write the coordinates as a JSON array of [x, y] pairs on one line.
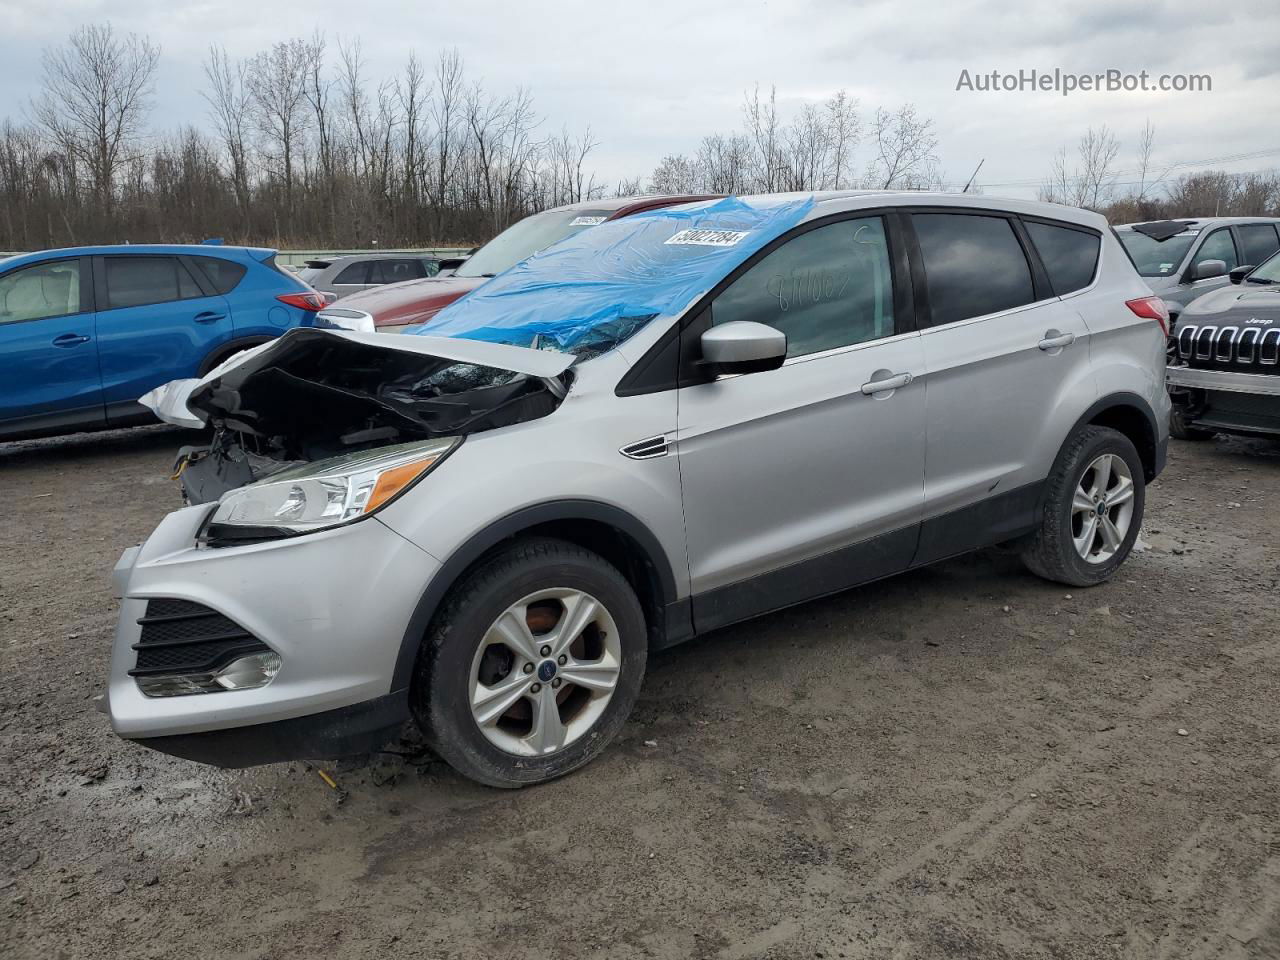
[[1093, 509], [532, 665], [1179, 429]]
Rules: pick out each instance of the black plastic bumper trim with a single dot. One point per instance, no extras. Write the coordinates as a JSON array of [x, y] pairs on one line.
[[360, 728]]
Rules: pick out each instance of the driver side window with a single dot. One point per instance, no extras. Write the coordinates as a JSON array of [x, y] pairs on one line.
[[829, 287], [40, 291], [1217, 246]]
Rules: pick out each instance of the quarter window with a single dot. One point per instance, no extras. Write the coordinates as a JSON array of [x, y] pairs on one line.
[[1217, 246], [1069, 256], [39, 291], [973, 264], [354, 273], [140, 281], [1257, 242], [223, 274], [829, 287]]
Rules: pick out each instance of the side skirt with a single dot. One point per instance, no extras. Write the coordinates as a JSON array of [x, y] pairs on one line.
[[993, 520]]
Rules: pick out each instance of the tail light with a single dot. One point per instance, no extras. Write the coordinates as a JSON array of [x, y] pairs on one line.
[[311, 301], [1151, 308]]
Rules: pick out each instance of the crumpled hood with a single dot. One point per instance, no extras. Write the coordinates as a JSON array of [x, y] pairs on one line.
[[1234, 303], [412, 301], [190, 402]]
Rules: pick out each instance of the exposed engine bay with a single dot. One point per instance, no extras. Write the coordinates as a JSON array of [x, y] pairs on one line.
[[314, 394]]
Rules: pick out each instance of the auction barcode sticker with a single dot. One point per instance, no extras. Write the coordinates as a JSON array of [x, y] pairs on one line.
[[709, 238], [586, 221]]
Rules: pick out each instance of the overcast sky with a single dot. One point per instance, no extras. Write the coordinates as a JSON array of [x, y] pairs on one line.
[[652, 77]]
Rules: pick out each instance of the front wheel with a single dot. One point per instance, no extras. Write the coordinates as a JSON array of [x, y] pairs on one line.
[[1092, 511], [1179, 429], [532, 664]]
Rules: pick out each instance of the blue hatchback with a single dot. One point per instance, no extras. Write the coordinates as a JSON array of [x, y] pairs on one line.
[[85, 332]]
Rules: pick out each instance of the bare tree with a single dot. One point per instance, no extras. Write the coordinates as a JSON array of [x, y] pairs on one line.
[[843, 131], [764, 132], [277, 84], [97, 90], [904, 143], [676, 174], [1091, 181], [229, 106]]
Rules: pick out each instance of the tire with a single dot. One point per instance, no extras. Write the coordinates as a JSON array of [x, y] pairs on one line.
[[1179, 429], [459, 652], [1052, 551]]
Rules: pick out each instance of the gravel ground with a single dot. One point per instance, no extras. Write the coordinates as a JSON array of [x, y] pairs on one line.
[[961, 762]]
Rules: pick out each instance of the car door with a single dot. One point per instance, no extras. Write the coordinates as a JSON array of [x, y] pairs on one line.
[[1003, 356], [156, 323], [805, 479], [48, 347]]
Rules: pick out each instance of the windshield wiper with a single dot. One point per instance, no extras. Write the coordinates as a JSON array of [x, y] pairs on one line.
[[1262, 280]]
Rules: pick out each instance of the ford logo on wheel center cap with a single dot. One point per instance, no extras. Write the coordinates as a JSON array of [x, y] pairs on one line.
[[546, 670]]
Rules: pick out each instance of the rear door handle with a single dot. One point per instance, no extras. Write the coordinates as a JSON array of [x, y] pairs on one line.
[[70, 340], [209, 317], [1053, 340], [892, 382]]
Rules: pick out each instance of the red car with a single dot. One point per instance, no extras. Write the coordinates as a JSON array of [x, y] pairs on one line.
[[398, 305]]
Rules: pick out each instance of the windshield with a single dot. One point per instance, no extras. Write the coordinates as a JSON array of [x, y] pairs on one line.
[[590, 292], [1156, 258], [1269, 272], [524, 239]]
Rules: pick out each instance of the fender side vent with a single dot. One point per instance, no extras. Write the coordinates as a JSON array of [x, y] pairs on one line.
[[649, 449]]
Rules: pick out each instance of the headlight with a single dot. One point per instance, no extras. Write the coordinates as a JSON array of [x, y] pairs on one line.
[[324, 494]]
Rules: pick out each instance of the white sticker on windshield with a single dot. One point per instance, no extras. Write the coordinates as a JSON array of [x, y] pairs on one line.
[[1166, 267], [586, 221], [709, 238]]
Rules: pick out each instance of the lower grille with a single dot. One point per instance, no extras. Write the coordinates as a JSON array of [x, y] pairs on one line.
[[179, 637]]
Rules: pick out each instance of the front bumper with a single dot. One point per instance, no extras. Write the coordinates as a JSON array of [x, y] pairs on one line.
[[1226, 380], [333, 604]]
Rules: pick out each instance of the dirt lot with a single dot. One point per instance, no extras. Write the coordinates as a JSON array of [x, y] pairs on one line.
[[961, 762]]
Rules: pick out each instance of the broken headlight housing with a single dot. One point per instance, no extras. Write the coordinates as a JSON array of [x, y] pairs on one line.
[[328, 493]]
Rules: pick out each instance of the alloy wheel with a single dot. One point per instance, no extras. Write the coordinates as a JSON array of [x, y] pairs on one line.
[[545, 671], [1102, 508]]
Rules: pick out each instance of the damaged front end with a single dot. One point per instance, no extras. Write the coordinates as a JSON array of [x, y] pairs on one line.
[[314, 396]]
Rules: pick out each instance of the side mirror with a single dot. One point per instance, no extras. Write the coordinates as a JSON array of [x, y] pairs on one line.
[[1239, 273], [743, 347], [1208, 268]]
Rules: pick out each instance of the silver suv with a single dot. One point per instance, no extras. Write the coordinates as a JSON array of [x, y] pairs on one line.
[[656, 428]]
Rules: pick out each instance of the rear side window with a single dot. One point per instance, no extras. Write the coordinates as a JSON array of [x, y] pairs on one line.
[[973, 264], [139, 281], [223, 274], [353, 273], [1070, 256], [395, 271], [1257, 242], [828, 287]]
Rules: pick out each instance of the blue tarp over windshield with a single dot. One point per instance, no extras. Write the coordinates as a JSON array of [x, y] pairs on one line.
[[596, 288]]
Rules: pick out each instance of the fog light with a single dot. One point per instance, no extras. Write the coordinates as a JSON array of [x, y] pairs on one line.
[[246, 673]]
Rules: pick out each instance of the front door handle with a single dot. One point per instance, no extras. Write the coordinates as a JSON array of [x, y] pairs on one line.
[[887, 381], [1053, 340], [70, 340], [209, 317]]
